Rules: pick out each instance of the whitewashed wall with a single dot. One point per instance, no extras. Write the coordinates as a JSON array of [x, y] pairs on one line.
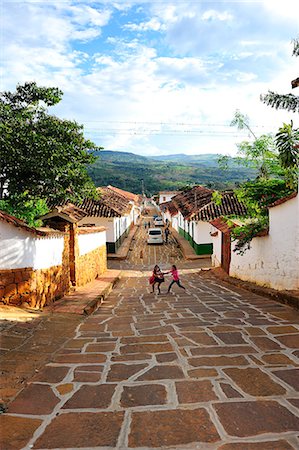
[[174, 222], [20, 248], [202, 232], [216, 256], [166, 215], [89, 242], [273, 260], [166, 197], [108, 223]]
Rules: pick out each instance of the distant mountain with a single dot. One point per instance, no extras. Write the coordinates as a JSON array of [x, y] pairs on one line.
[[134, 172], [108, 155]]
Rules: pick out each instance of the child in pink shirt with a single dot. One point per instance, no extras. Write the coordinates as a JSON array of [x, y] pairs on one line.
[[175, 278]]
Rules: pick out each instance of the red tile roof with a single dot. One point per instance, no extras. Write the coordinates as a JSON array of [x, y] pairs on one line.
[[229, 205], [22, 225], [170, 207], [189, 202], [221, 225], [119, 203], [67, 211], [110, 204], [129, 195]]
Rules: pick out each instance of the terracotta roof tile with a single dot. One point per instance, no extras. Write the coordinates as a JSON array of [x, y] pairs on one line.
[[129, 195], [114, 200], [170, 207], [110, 204], [68, 211], [21, 224], [230, 205], [191, 201]]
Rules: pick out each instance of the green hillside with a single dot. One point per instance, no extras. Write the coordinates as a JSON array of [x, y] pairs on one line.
[[129, 171]]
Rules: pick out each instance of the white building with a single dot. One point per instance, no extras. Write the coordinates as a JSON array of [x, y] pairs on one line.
[[113, 211], [166, 196], [273, 259]]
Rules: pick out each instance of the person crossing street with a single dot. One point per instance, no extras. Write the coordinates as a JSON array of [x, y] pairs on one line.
[[175, 278]]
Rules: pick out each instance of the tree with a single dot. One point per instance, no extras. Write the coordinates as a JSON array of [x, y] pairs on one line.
[[287, 142], [289, 102], [287, 138], [260, 153], [41, 156]]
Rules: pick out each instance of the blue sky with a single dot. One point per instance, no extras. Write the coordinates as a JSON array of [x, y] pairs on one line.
[[157, 77]]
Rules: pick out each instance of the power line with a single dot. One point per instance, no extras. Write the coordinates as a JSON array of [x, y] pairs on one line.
[[169, 123]]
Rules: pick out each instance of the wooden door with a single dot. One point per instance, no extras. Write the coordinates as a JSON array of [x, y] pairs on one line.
[[225, 251]]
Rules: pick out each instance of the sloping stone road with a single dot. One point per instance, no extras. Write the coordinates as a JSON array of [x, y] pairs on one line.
[[212, 367]]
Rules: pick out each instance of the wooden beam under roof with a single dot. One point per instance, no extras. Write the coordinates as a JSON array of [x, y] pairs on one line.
[[295, 83]]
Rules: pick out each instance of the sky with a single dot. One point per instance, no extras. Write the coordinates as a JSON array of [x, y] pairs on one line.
[[158, 77]]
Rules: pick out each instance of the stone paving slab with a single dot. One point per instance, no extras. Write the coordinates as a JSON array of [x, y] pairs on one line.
[[84, 300], [212, 368]]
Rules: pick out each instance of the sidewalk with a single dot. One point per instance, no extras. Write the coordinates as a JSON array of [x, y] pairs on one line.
[[84, 300], [30, 339], [187, 250], [290, 298], [124, 249]]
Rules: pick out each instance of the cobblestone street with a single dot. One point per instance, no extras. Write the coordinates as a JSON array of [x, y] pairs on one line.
[[214, 367]]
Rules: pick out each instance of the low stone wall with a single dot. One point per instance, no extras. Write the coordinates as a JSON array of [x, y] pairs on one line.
[[91, 265], [77, 257], [35, 288]]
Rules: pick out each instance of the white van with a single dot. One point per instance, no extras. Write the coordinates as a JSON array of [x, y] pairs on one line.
[[154, 236], [158, 222]]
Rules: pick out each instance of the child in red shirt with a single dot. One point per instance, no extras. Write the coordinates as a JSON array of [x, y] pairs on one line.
[[175, 278]]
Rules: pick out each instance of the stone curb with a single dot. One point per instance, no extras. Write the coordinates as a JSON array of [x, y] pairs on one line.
[[285, 297], [124, 249], [83, 301], [187, 250]]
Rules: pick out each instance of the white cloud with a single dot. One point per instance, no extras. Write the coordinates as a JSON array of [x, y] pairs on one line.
[[177, 92], [211, 14], [152, 25]]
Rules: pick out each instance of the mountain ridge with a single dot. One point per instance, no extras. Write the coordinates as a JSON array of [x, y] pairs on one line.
[[133, 172]]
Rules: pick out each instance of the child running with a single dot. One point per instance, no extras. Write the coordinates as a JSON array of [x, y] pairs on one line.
[[175, 278]]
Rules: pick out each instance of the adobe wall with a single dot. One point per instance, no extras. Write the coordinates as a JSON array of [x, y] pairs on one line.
[[35, 287], [91, 255], [91, 265], [43, 282]]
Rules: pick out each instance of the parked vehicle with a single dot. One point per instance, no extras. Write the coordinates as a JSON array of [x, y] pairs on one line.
[[158, 222], [154, 236]]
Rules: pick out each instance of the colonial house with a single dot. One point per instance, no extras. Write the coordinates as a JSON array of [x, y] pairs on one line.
[[170, 214], [166, 196], [116, 210], [195, 208], [135, 200], [113, 211], [273, 257], [202, 220]]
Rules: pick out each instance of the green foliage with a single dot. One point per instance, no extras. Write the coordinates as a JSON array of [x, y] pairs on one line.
[[290, 102], [25, 209], [259, 194], [217, 197], [287, 143], [241, 121], [260, 154], [40, 154], [245, 233]]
